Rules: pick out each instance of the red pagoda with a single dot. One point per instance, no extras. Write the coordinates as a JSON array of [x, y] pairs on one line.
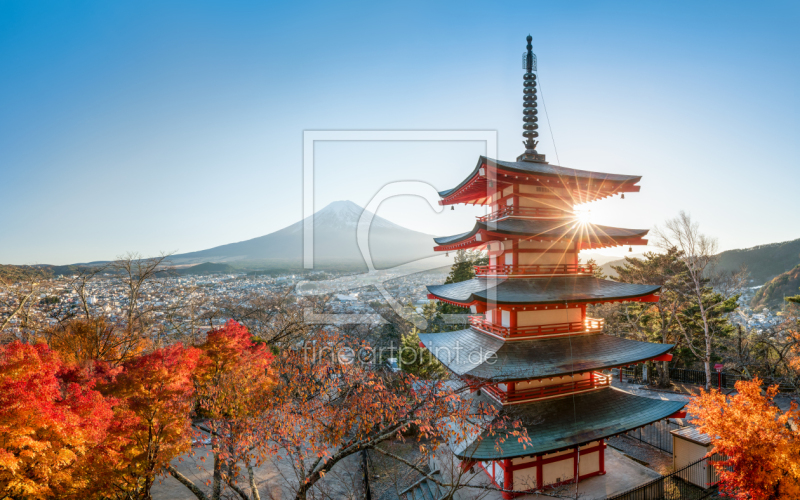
[[531, 349]]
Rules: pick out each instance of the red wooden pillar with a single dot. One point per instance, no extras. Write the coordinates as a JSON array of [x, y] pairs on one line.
[[539, 472], [511, 389], [508, 479], [575, 460], [602, 457]]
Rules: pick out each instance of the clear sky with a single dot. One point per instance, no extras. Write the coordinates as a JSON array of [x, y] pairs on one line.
[[177, 126]]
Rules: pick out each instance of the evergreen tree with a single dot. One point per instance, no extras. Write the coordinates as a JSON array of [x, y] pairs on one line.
[[463, 269], [656, 322], [417, 360]]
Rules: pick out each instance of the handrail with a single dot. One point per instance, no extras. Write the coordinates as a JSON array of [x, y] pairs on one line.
[[512, 211], [536, 269], [596, 381], [590, 325]]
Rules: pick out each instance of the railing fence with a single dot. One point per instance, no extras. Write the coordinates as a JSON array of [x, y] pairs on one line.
[[696, 481], [656, 434]]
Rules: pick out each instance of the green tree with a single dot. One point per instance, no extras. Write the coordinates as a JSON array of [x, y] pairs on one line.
[[655, 321], [794, 299], [417, 360], [463, 269]]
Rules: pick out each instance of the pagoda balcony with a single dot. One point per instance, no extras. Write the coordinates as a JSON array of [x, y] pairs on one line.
[[525, 213], [588, 325], [536, 270], [596, 381]]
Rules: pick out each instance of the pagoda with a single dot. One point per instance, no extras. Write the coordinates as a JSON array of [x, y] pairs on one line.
[[531, 350]]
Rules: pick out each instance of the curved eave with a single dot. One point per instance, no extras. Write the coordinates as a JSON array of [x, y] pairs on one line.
[[592, 416], [473, 354], [585, 186], [532, 291], [590, 236]]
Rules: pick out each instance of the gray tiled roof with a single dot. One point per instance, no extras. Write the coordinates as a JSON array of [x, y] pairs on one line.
[[563, 228], [568, 421], [546, 290], [544, 169], [472, 353], [692, 434]]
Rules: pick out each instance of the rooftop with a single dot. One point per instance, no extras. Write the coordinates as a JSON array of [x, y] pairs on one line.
[[550, 229], [475, 354], [568, 421], [547, 290]]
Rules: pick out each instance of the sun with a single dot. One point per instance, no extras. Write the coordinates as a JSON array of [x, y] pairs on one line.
[[583, 215]]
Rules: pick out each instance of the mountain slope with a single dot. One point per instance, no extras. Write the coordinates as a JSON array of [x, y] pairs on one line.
[[772, 294], [335, 243], [764, 261]]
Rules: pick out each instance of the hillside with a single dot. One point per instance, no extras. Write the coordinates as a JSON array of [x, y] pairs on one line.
[[772, 294], [764, 261]]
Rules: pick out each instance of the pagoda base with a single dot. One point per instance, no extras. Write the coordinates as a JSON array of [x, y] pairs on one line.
[[546, 471]]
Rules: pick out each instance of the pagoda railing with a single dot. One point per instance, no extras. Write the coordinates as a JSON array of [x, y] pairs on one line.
[[596, 381], [512, 211], [534, 270], [589, 325]]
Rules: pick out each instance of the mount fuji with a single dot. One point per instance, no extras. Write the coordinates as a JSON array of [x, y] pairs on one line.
[[335, 244]]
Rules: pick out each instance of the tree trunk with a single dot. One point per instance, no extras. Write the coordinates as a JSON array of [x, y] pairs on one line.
[[186, 482], [252, 478], [217, 488], [664, 374], [707, 364]]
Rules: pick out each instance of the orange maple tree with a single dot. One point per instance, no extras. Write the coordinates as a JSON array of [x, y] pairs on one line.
[[49, 426], [157, 393], [232, 382], [762, 446], [84, 340]]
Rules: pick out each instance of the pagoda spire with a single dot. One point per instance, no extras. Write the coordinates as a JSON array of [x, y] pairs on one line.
[[529, 111]]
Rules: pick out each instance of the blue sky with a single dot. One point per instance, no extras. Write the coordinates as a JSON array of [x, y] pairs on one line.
[[177, 126]]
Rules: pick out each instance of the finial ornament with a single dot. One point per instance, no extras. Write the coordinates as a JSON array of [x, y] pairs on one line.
[[529, 111]]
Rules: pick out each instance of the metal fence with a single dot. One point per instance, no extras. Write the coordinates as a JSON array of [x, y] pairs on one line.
[[656, 434], [682, 375], [694, 482], [698, 377]]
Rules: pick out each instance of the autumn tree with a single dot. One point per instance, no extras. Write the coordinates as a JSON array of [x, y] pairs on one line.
[[49, 426], [158, 390], [328, 406], [232, 382], [94, 338], [760, 441]]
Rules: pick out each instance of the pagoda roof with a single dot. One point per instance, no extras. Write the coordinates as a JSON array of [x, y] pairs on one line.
[[593, 185], [558, 229], [568, 421], [545, 290], [474, 354]]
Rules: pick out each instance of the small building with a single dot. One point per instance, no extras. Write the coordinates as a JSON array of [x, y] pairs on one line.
[[688, 446]]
